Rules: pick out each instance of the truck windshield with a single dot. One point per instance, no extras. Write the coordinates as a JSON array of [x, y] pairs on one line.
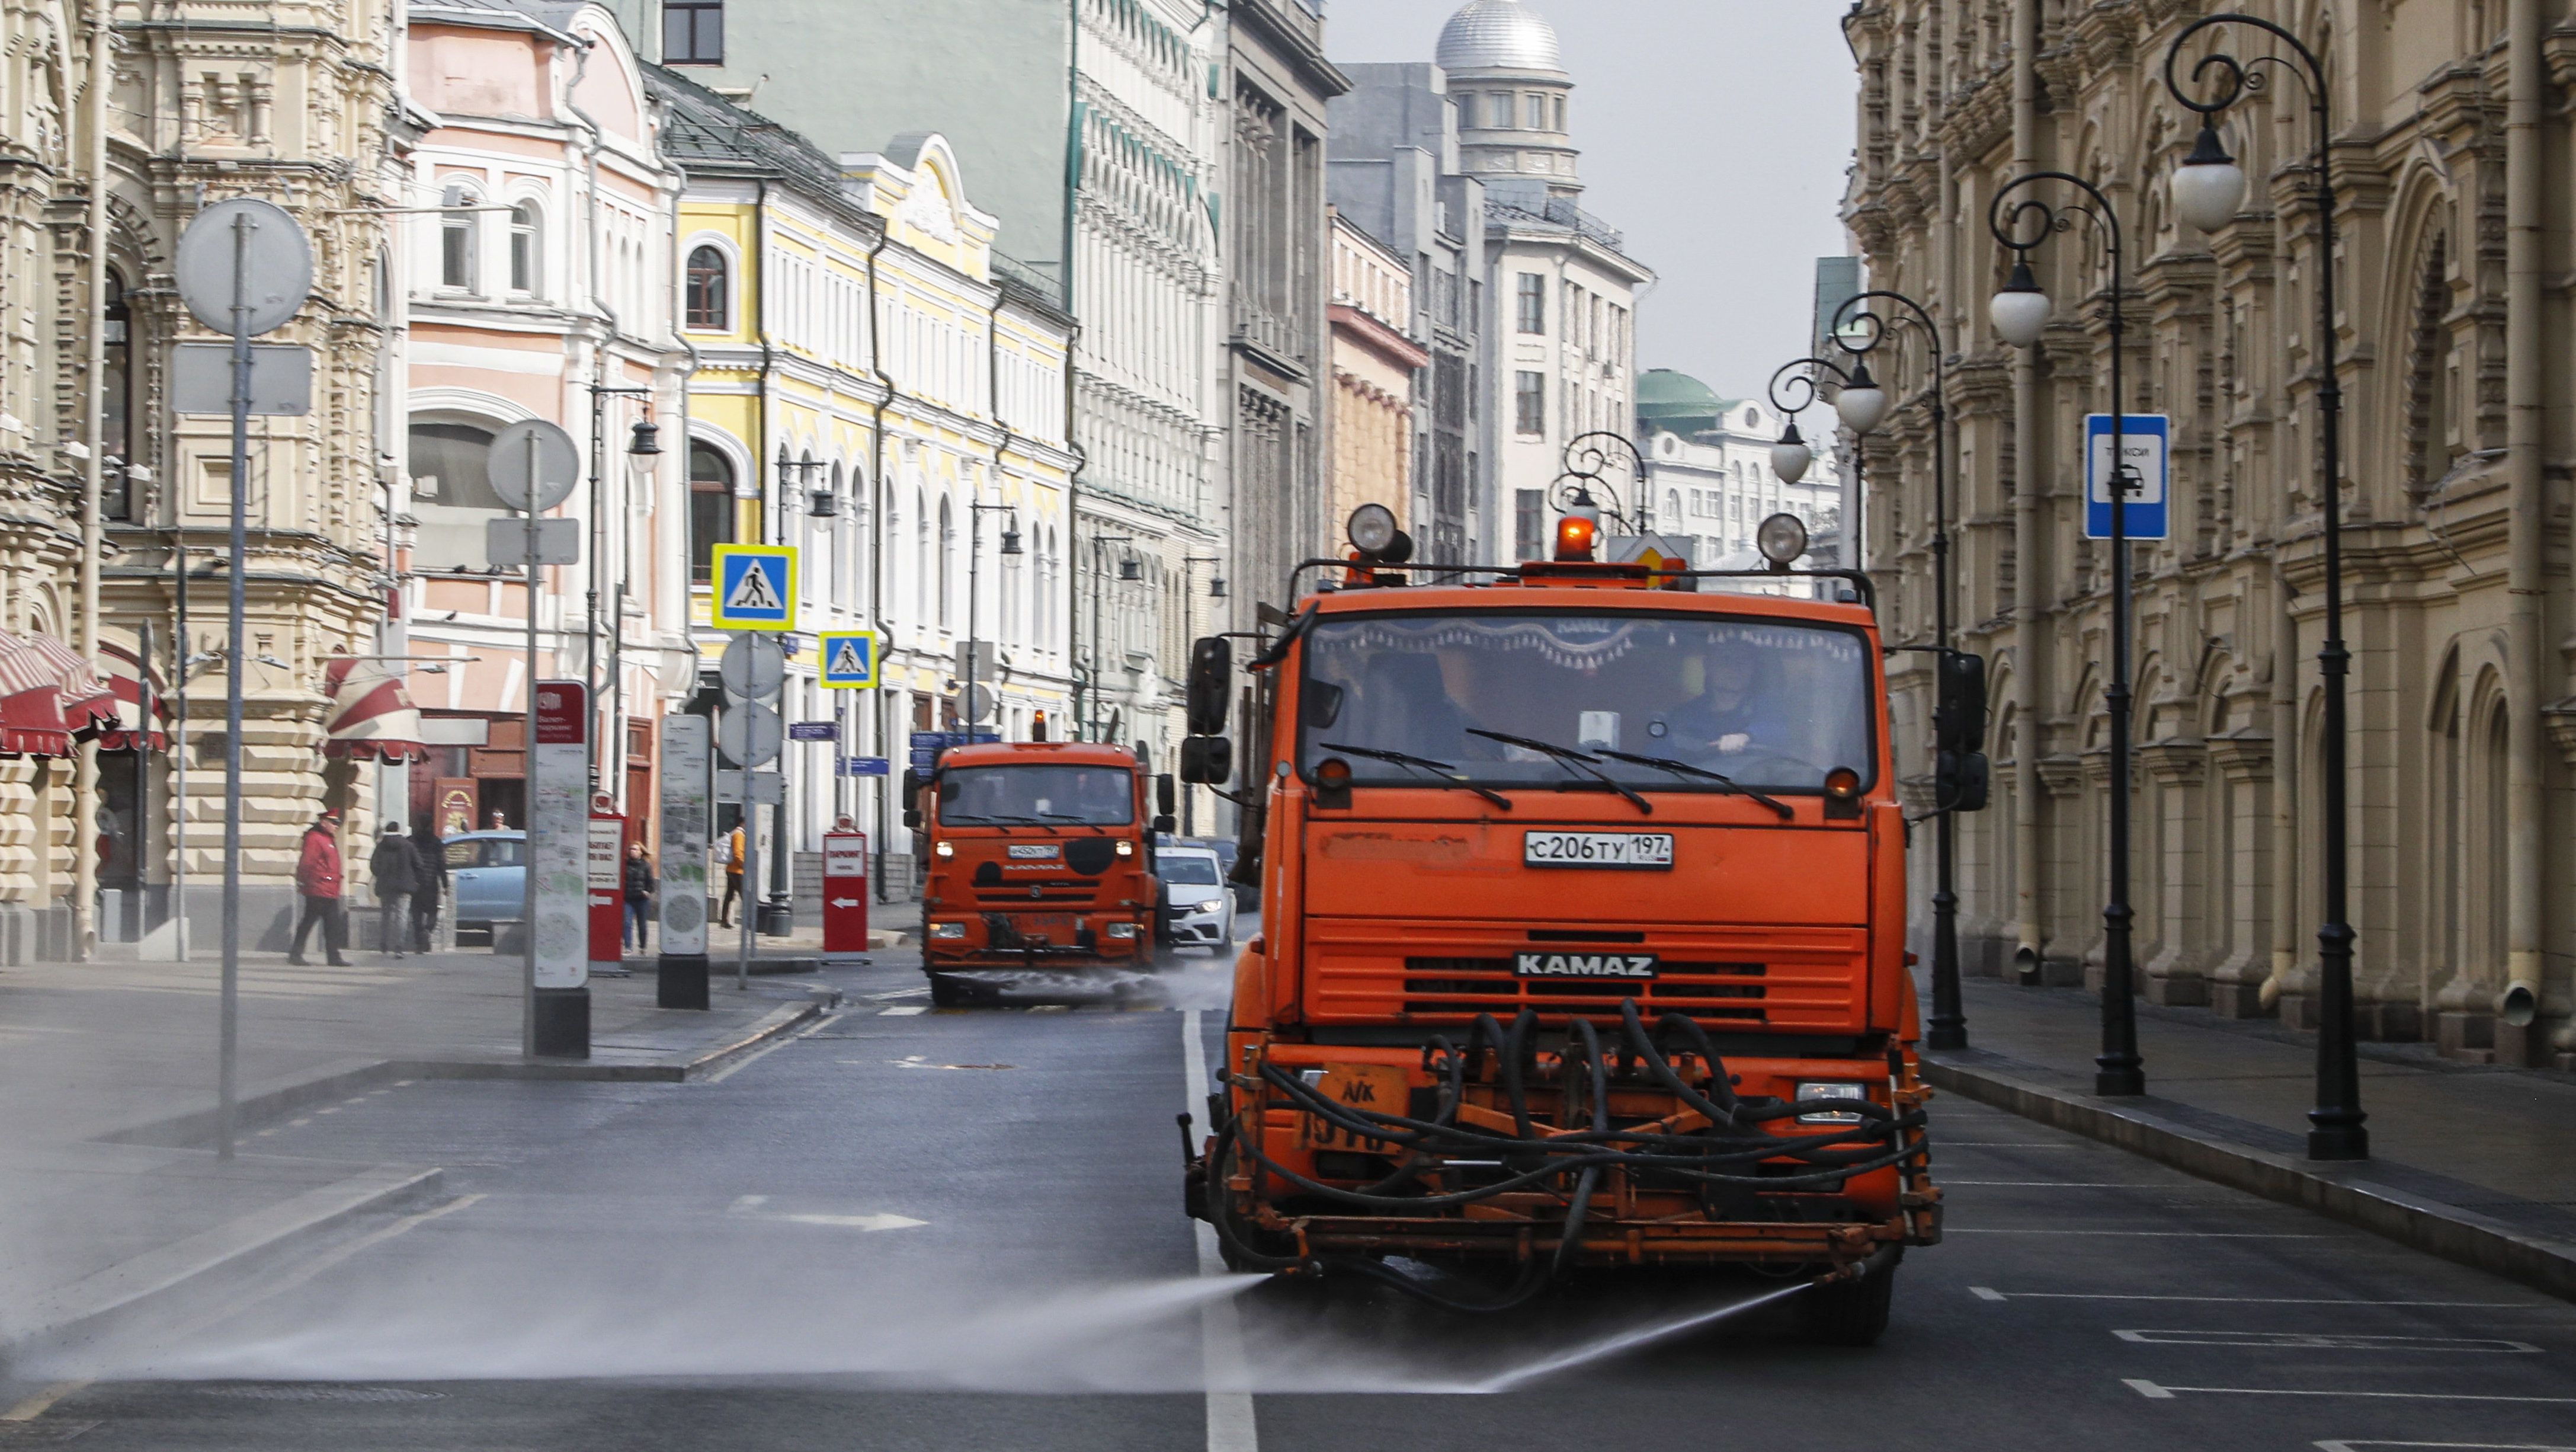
[[1006, 796], [1771, 705]]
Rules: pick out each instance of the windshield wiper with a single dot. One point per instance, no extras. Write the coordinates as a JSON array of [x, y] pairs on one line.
[[1571, 760], [1684, 768], [1078, 821], [1421, 763], [988, 819]]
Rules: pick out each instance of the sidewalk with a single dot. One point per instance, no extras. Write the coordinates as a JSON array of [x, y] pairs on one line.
[[109, 1190], [2474, 1163]]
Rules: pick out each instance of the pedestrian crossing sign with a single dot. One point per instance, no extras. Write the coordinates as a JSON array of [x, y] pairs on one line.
[[850, 660], [755, 587]]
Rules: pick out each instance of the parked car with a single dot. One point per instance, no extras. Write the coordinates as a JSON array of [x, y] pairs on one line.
[[1247, 895], [1198, 911], [488, 873]]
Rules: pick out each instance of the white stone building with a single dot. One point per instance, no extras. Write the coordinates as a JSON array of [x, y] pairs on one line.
[[1708, 471], [1559, 356]]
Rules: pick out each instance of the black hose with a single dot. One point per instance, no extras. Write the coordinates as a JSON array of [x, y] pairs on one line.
[[1597, 1086]]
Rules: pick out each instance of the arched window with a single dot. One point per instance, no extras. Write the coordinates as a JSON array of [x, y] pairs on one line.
[[709, 288], [526, 226], [711, 509], [459, 238]]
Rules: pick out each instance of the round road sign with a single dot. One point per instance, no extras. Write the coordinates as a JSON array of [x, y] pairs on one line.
[[554, 466], [749, 734], [753, 668], [975, 703], [248, 242]]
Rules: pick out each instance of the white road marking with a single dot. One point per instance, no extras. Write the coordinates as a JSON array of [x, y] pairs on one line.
[[901, 1012], [2010, 1144], [2080, 1184], [2339, 1445], [2154, 1392], [2149, 1234], [1050, 1008], [749, 1207], [2326, 1341], [1989, 1293], [756, 1055], [42, 1401], [1231, 1425]]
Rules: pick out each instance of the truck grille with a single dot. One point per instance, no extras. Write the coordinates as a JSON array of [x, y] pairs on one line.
[[1777, 979], [1049, 890], [1486, 985]]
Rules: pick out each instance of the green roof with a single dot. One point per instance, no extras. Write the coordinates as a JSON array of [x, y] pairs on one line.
[[1676, 403]]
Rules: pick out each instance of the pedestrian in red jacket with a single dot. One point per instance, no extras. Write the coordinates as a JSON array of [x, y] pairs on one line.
[[317, 880]]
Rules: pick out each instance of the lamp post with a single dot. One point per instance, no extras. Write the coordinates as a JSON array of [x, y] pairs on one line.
[[1792, 455], [1127, 570], [2208, 188], [974, 588], [600, 393], [2020, 313], [1862, 405], [1598, 450]]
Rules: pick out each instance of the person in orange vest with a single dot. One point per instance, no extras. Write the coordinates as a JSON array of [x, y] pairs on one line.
[[317, 880], [733, 879]]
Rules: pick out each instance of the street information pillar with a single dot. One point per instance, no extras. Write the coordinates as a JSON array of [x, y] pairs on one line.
[[845, 896], [688, 809], [607, 876], [558, 875]]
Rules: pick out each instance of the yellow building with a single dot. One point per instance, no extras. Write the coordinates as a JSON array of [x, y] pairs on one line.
[[875, 386]]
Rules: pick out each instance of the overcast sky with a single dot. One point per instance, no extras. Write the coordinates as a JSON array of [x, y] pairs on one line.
[[1715, 133]]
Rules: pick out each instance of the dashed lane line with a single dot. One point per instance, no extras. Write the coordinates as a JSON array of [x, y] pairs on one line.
[[2142, 1234], [1231, 1424], [2155, 1392], [2328, 1341], [1989, 1293]]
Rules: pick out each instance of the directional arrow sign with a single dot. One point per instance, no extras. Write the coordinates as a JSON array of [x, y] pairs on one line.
[[845, 902]]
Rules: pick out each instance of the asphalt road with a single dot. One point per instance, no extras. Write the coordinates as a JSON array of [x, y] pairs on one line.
[[919, 1230]]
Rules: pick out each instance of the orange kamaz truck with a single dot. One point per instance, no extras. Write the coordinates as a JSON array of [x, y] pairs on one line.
[[1041, 856], [1583, 906]]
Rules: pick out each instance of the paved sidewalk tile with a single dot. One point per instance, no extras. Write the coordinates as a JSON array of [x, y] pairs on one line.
[[2501, 1142]]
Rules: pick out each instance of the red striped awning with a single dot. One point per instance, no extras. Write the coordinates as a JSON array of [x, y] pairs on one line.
[[127, 676], [371, 715], [50, 698]]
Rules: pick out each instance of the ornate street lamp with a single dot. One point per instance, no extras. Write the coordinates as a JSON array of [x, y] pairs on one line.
[[1792, 455], [2020, 314], [1863, 406], [1587, 459], [2208, 188]]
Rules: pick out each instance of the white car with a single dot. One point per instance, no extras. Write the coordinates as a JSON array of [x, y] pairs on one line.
[[1198, 909]]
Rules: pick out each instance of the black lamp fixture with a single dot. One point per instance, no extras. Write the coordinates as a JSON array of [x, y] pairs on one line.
[[1216, 587], [1011, 536], [1131, 569], [644, 450]]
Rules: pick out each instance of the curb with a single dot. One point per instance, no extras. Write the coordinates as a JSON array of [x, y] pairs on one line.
[[197, 1127], [2420, 1222], [93, 1304]]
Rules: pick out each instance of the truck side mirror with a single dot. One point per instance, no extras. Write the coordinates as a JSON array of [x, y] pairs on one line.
[[1163, 824], [1211, 684], [1207, 760], [912, 799], [912, 818], [1962, 782], [1167, 795], [1959, 710]]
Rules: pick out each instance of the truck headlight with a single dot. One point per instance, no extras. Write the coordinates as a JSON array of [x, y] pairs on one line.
[[948, 930], [1831, 1090], [945, 849], [1122, 930], [1126, 849]]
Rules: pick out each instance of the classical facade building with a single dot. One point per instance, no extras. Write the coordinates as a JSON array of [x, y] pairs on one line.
[[1708, 471], [1277, 246], [2449, 155], [539, 275], [1393, 171], [1100, 149], [1559, 329], [875, 386], [1375, 372], [111, 139]]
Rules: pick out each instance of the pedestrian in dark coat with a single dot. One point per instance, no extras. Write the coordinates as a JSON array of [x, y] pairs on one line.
[[317, 881], [640, 887], [428, 886], [393, 867]]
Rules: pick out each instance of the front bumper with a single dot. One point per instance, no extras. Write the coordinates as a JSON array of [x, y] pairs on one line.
[[1003, 940]]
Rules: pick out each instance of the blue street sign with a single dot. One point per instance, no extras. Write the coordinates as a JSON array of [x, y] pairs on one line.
[[2144, 440], [863, 766], [849, 660], [813, 730]]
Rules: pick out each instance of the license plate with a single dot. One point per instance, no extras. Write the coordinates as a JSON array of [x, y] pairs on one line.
[[1053, 927], [1584, 965], [1375, 1088], [1652, 851], [1038, 852]]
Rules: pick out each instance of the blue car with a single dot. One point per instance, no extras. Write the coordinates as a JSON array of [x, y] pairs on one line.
[[488, 874]]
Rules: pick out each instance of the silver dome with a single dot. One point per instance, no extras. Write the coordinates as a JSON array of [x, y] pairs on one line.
[[1499, 35]]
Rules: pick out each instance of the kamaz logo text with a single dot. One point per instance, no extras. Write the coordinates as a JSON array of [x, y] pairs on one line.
[[1584, 965]]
